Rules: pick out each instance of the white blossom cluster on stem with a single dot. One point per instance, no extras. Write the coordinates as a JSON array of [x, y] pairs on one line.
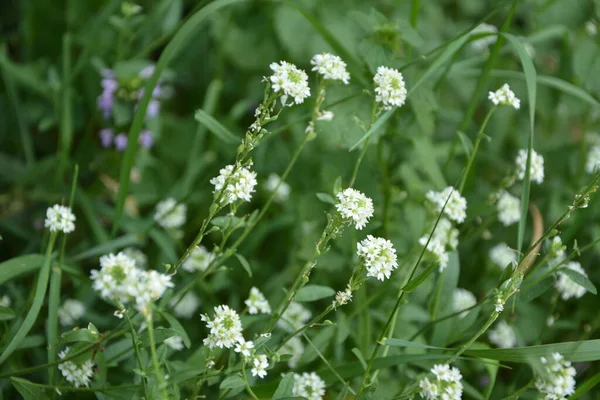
[[199, 260], [537, 166], [567, 287], [558, 381], [175, 342], [509, 209], [390, 89], [331, 67], [456, 205], [557, 249], [443, 240], [257, 302], [70, 311], [379, 257], [355, 206], [290, 81], [187, 306], [503, 335], [236, 185], [141, 260], [463, 300], [446, 385], [505, 97], [309, 385], [169, 214], [592, 162], [502, 255], [294, 317], [259, 363], [60, 219], [77, 375], [343, 297], [225, 328]]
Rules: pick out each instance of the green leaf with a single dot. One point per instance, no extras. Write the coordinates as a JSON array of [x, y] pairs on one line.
[[585, 387], [27, 389], [466, 142], [529, 293], [588, 350], [313, 293], [285, 387], [415, 282], [375, 127], [356, 351], [160, 335], [6, 313], [326, 198], [232, 382], [216, 127], [579, 279], [79, 335], [176, 325], [492, 367], [20, 266], [406, 343], [244, 263], [227, 221]]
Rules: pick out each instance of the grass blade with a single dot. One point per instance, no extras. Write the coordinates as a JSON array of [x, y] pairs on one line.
[[588, 350], [216, 127], [19, 266]]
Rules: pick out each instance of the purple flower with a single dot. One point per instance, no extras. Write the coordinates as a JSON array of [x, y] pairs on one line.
[[146, 139], [120, 142], [153, 109], [106, 136], [105, 103], [147, 72], [109, 86]]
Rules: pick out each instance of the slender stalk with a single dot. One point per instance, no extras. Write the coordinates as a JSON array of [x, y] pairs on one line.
[[480, 136], [480, 332], [358, 162], [248, 388], [305, 327], [136, 348], [66, 120], [162, 385], [82, 389]]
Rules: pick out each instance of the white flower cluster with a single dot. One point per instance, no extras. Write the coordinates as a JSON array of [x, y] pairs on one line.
[[291, 81], [295, 317], [169, 214], [505, 97], [557, 249], [283, 192], [483, 43], [444, 239], [77, 374], [566, 286], [343, 297], [141, 261], [378, 255], [447, 384], [509, 209], [309, 385], [390, 89], [70, 311], [225, 328], [559, 380], [503, 335], [502, 255], [187, 306], [456, 205], [294, 347], [60, 219], [5, 301], [199, 260], [238, 185], [259, 363], [463, 300], [355, 206], [175, 342], [331, 67], [592, 162], [121, 281], [537, 165], [257, 303]]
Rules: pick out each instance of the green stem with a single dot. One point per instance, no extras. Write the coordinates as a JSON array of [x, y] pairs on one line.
[[414, 12], [81, 389], [480, 136], [134, 341], [66, 120], [248, 388], [358, 162], [159, 376], [480, 332], [305, 327]]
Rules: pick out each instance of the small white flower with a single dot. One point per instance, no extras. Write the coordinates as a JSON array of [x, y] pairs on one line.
[[325, 116], [115, 277], [309, 385], [147, 287], [390, 89], [70, 311], [378, 255], [456, 205], [447, 384], [590, 28], [355, 206], [141, 261], [558, 382], [199, 260], [343, 297], [463, 300], [503, 335], [445, 238], [295, 317], [294, 347], [5, 301], [592, 162], [566, 286], [260, 363], [290, 81], [483, 43], [225, 328], [498, 304], [509, 209], [557, 249], [283, 192], [169, 214], [502, 255], [175, 342], [505, 97], [537, 165], [77, 374], [331, 67], [60, 218], [257, 303], [244, 347], [187, 306], [238, 185]]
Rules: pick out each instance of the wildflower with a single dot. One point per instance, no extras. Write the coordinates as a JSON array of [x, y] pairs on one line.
[[557, 249], [537, 165], [509, 209], [106, 137], [70, 311], [289, 80], [114, 278], [5, 301], [343, 297], [153, 109], [331, 67], [503, 335], [456, 205], [238, 185], [109, 86], [483, 43], [294, 347], [355, 206], [498, 304], [146, 139], [447, 384], [169, 214], [120, 142], [590, 28], [283, 191], [444, 237], [558, 381], [309, 385], [390, 89], [592, 162], [199, 260], [175, 342], [140, 259], [463, 300], [325, 116], [378, 255], [294, 317], [257, 303], [566, 286], [260, 363], [147, 287], [505, 97], [60, 218], [77, 374], [225, 328], [187, 306], [502, 255], [244, 347]]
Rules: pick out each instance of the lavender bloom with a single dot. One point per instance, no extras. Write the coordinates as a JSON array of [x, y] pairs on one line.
[[120, 142], [147, 72], [106, 136], [153, 109], [146, 139], [106, 98]]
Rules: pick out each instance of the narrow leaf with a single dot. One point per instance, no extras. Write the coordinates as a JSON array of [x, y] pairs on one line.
[[232, 382], [285, 387], [19, 266], [244, 263], [313, 293], [579, 279], [216, 127]]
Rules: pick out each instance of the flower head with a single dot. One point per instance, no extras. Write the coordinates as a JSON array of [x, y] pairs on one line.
[[592, 162], [244, 347], [537, 165], [355, 206], [343, 297], [225, 328], [60, 218], [79, 374], [331, 67], [283, 191], [238, 185], [294, 317], [446, 385], [444, 238], [175, 342], [294, 347], [106, 137], [309, 385], [120, 142], [290, 81], [502, 255], [140, 259], [259, 363], [566, 286], [505, 97], [503, 335], [379, 257], [257, 303], [509, 209], [557, 249], [456, 205], [187, 306], [199, 260], [146, 139], [390, 89], [70, 311], [169, 214], [558, 381], [463, 300]]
